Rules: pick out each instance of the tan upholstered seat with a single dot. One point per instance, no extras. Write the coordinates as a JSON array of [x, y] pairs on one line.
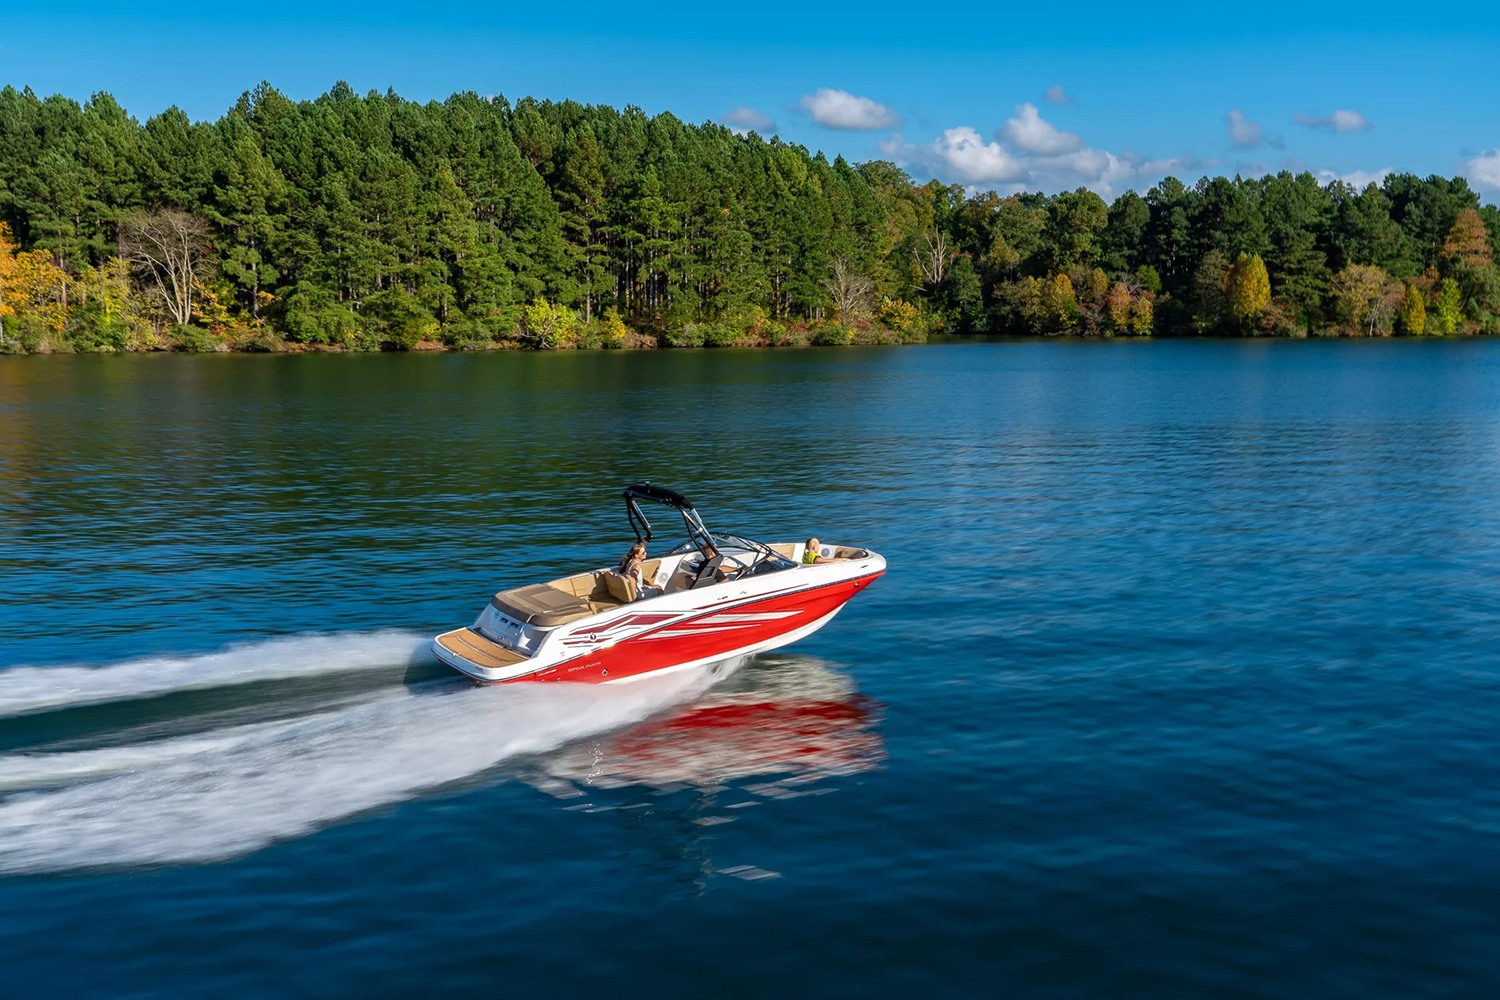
[[541, 604], [621, 588]]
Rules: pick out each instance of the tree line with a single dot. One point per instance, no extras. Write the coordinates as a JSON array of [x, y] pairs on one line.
[[373, 222]]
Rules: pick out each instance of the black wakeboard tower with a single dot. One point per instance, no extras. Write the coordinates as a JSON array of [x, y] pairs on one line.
[[697, 532], [752, 556]]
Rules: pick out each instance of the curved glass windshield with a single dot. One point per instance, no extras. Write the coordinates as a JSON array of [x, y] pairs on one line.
[[741, 549]]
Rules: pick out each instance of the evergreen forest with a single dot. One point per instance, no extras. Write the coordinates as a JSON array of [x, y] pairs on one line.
[[372, 222]]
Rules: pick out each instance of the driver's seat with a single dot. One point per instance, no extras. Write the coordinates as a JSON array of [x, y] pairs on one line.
[[707, 573]]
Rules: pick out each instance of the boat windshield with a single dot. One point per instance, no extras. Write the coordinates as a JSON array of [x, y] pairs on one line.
[[757, 557]]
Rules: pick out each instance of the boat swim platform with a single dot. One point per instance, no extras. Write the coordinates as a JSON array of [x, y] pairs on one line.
[[478, 650]]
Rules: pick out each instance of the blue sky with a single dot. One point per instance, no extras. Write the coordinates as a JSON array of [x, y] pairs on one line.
[[988, 95]]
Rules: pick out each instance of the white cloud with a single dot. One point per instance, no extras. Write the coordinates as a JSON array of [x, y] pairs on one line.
[[1342, 120], [1056, 94], [962, 154], [1243, 132], [1105, 173], [743, 120], [1028, 131], [842, 110], [1357, 179], [1484, 169]]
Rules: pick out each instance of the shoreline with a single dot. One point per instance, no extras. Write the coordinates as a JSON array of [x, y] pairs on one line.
[[292, 349]]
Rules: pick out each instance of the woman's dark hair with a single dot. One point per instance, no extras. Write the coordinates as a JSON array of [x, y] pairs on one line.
[[629, 555]]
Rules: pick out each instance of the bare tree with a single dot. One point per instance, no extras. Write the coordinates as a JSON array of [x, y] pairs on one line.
[[934, 256], [851, 291], [172, 248]]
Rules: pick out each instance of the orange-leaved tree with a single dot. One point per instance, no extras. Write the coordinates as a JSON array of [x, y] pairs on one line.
[[36, 287], [7, 268], [1468, 242]]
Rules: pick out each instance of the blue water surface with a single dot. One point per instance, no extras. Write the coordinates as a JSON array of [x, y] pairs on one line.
[[1183, 681]]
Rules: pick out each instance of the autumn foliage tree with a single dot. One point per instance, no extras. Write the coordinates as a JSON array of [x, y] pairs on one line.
[[1366, 298], [1059, 302], [7, 269], [1117, 303], [1413, 312], [1468, 258], [1447, 308], [1468, 242], [1247, 290], [38, 290]]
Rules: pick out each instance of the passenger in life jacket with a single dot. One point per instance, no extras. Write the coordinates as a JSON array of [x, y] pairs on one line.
[[812, 553]]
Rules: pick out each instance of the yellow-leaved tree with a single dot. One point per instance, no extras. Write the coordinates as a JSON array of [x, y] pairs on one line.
[[37, 287], [8, 249], [1247, 289], [1117, 304], [1413, 312], [1059, 303], [1364, 294], [1142, 315]]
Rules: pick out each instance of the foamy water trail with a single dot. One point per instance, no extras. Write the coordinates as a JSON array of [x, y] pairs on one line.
[[34, 689], [47, 770], [225, 793]]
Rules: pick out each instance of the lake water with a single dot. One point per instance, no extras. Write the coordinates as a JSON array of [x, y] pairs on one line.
[[1183, 681]]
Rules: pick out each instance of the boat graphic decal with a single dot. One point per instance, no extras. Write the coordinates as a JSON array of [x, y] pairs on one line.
[[729, 622], [641, 619], [757, 616]]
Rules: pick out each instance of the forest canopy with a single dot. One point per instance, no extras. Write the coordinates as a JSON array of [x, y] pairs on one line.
[[374, 222]]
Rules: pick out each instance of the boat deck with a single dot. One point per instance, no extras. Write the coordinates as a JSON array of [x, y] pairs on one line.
[[558, 602], [478, 650]]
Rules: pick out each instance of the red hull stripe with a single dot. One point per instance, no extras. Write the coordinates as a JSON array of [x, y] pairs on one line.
[[703, 637]]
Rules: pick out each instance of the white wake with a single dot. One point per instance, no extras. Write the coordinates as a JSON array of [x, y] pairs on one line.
[[34, 689], [227, 792]]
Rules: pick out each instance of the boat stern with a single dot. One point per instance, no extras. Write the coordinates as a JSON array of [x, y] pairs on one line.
[[471, 654]]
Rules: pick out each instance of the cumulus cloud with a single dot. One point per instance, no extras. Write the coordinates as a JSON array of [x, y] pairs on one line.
[[1243, 132], [1358, 179], [962, 154], [842, 110], [1484, 170], [744, 120], [1105, 173], [1057, 95], [1342, 120], [1030, 132]]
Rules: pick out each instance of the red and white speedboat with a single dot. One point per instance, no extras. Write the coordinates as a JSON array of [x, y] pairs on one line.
[[715, 596]]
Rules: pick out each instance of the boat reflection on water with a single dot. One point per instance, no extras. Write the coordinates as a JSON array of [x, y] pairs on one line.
[[775, 726]]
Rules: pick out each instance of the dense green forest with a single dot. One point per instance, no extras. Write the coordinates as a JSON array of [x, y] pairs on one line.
[[373, 222]]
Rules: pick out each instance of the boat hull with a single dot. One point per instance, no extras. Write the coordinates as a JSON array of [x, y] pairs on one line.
[[651, 639]]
